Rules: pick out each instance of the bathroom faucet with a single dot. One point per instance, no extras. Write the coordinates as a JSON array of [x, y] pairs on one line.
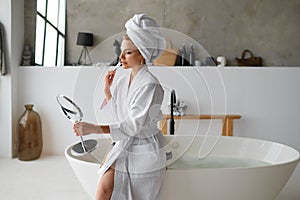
[[172, 122]]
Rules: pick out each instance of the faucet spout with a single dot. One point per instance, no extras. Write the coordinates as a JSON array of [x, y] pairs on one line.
[[172, 122]]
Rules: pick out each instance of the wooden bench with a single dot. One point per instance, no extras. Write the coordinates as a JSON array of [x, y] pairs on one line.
[[227, 121]]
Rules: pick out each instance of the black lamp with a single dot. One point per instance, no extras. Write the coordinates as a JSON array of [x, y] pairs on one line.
[[84, 39]]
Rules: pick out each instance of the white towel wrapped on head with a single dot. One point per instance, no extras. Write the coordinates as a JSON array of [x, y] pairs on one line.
[[145, 33]]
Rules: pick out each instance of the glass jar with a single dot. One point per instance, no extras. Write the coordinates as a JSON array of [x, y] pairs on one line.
[[30, 143]]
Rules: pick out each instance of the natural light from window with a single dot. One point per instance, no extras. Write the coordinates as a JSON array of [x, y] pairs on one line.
[[50, 33]]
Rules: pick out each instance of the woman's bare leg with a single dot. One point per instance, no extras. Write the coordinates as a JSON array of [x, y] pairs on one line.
[[106, 185]]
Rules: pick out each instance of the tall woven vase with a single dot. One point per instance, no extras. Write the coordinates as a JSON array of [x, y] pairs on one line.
[[30, 142]]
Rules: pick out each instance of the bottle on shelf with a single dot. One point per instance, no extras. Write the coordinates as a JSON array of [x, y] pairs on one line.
[[183, 55], [192, 55], [184, 58]]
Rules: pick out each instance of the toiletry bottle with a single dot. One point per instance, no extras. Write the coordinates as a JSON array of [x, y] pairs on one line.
[[192, 55], [183, 55]]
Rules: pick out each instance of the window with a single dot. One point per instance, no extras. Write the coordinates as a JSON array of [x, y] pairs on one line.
[[50, 32]]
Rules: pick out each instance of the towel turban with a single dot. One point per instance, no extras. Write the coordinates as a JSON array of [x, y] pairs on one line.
[[145, 34]]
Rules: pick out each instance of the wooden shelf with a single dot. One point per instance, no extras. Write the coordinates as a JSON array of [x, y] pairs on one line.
[[227, 121]]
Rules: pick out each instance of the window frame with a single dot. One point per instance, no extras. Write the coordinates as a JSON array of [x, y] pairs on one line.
[[59, 33]]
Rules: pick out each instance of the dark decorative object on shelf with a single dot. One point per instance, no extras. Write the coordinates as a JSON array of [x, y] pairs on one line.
[[117, 46], [184, 59], [30, 143], [210, 61]]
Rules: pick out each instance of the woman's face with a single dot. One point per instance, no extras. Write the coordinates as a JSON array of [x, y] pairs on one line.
[[130, 56]]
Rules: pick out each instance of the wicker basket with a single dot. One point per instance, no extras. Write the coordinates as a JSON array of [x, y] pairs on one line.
[[251, 61]]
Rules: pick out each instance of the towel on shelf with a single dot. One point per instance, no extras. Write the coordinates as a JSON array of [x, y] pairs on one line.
[[3, 69]]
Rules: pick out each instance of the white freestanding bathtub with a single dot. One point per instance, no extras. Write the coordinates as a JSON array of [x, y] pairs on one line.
[[234, 169]]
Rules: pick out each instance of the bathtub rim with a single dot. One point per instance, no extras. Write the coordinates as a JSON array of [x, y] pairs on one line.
[[295, 160]]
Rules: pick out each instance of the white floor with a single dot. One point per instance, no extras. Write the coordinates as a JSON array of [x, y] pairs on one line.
[[51, 177]]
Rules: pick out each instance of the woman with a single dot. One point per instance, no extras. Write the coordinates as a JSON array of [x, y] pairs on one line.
[[135, 166]]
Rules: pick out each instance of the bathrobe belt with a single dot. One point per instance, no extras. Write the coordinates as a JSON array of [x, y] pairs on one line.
[[117, 148], [148, 132]]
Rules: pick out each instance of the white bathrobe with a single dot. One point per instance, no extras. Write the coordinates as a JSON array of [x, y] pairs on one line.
[[138, 151]]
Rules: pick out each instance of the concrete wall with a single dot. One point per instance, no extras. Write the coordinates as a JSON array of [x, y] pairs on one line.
[[269, 28]]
